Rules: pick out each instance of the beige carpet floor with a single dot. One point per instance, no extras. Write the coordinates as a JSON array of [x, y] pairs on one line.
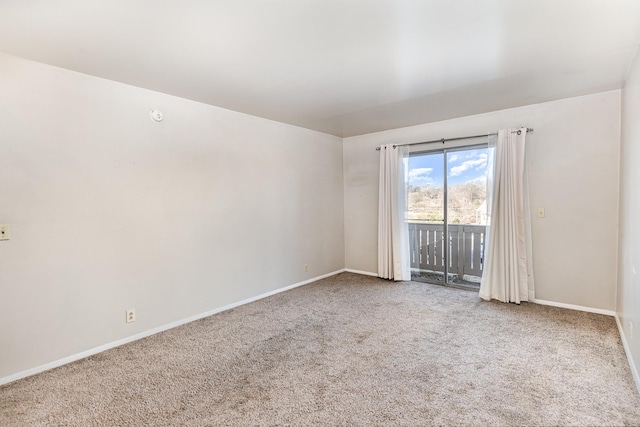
[[349, 350]]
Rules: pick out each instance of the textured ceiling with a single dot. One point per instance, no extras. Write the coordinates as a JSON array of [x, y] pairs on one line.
[[337, 66]]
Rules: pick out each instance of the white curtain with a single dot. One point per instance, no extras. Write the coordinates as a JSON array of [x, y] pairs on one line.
[[508, 272], [393, 231]]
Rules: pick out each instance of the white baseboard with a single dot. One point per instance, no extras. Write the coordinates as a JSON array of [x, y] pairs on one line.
[[574, 307], [365, 273], [627, 351], [99, 349]]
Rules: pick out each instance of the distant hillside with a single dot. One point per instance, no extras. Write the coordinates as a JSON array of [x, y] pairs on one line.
[[426, 203]]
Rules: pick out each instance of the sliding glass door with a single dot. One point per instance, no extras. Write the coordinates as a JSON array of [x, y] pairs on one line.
[[447, 215], [426, 216]]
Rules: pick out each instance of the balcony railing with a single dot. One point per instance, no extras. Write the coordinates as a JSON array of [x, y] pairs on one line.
[[466, 249]]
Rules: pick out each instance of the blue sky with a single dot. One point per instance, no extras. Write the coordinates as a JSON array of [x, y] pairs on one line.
[[464, 166]]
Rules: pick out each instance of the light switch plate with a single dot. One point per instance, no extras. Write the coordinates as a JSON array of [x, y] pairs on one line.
[[5, 232], [540, 212]]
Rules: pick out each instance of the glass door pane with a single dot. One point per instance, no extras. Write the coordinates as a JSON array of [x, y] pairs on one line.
[[466, 214], [425, 216]]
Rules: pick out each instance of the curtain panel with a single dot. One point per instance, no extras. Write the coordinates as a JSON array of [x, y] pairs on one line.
[[508, 270], [393, 232]]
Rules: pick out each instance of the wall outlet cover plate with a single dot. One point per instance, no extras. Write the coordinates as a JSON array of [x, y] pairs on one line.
[[5, 232]]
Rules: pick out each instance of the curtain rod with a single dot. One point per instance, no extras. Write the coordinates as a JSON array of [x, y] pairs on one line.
[[443, 140]]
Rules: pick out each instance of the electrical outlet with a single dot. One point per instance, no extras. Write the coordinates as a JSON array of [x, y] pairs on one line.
[[5, 232], [131, 315], [306, 267]]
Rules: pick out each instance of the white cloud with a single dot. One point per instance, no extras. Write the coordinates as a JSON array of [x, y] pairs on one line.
[[420, 176], [478, 162], [482, 180], [452, 158]]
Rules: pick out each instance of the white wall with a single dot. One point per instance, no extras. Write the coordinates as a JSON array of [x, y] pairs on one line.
[[628, 297], [573, 159], [111, 211]]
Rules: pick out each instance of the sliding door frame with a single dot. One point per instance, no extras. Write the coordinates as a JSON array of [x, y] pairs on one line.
[[445, 151]]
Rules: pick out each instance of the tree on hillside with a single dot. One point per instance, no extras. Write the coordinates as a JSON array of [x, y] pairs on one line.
[[425, 203]]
